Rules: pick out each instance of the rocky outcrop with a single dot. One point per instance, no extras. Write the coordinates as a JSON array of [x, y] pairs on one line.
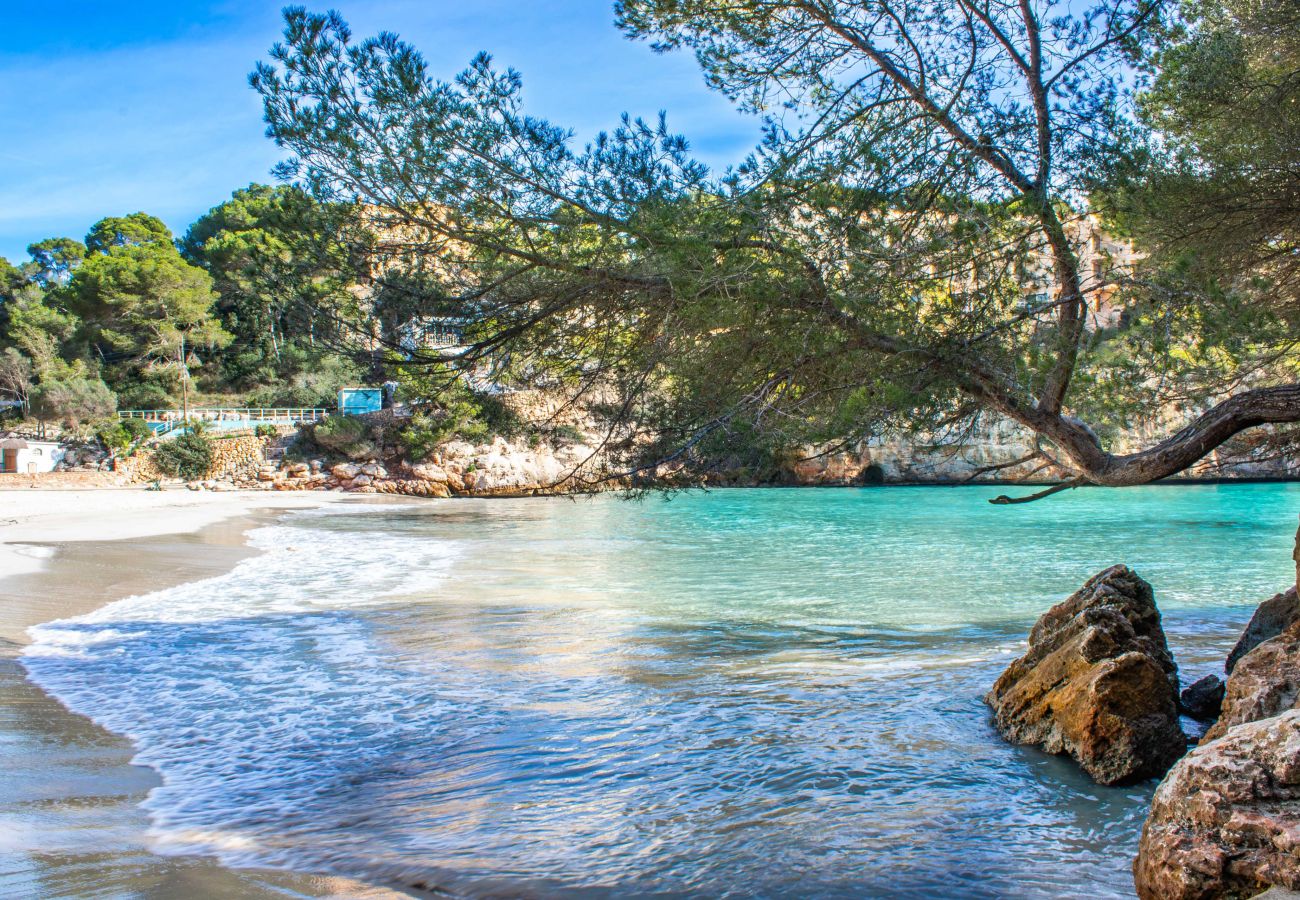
[[1264, 683], [498, 468], [1002, 451], [1225, 823], [1203, 699], [1097, 683], [1273, 617]]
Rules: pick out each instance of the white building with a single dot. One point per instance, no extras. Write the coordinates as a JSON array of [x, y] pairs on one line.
[[23, 457]]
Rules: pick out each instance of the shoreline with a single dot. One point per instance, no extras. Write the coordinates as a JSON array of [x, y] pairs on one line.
[[70, 816]]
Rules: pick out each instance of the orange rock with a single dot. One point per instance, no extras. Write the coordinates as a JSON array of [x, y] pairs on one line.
[[1097, 683]]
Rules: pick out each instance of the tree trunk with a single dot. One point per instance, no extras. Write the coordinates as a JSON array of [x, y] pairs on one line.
[[1274, 405]]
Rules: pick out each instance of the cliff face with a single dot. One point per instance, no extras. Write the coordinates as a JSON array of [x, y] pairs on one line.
[[997, 454]]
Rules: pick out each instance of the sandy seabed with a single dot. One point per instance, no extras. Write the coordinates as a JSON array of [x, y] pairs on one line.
[[70, 822]]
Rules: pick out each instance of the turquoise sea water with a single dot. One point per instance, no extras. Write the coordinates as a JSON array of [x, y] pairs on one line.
[[768, 693]]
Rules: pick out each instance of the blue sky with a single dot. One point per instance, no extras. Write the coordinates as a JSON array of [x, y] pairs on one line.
[[109, 108]]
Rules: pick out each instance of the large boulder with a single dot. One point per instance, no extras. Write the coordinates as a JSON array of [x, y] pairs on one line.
[[1264, 683], [1225, 822], [1273, 617], [1098, 683]]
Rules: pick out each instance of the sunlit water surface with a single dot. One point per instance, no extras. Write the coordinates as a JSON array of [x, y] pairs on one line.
[[746, 693]]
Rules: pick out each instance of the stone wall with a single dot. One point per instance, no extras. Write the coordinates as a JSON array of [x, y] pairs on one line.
[[238, 458], [234, 459]]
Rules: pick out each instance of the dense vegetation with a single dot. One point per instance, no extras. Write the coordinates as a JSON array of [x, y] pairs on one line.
[[244, 309], [904, 251], [867, 268]]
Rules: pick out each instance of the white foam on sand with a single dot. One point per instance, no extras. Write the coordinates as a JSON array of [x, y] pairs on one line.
[[255, 690]]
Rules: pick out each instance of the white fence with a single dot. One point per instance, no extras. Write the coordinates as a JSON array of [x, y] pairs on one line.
[[284, 414]]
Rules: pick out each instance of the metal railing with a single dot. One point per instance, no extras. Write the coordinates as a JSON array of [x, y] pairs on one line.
[[286, 414]]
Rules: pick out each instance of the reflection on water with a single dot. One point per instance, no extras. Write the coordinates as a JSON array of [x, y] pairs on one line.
[[746, 693]]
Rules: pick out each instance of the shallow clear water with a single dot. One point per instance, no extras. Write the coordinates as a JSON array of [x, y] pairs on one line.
[[745, 693]]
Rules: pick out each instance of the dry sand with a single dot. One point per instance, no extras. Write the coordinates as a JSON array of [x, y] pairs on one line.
[[70, 822], [34, 517]]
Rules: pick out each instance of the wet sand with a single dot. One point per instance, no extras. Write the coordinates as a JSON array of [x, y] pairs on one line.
[[70, 822]]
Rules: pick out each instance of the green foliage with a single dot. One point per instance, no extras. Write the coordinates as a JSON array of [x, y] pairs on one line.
[[350, 436], [136, 230], [136, 429], [144, 301], [448, 410], [43, 334], [873, 255], [150, 392], [73, 401], [188, 456], [315, 380], [55, 259], [266, 431], [280, 275], [568, 434], [427, 430], [118, 435], [112, 435], [1212, 192], [15, 376]]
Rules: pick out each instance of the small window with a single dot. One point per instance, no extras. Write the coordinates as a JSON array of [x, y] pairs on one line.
[[37, 451]]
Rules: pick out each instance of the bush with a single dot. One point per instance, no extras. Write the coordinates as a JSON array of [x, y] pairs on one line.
[[118, 434], [73, 401], [568, 434], [136, 429], [145, 396], [349, 435], [316, 385], [188, 456], [266, 431], [112, 435]]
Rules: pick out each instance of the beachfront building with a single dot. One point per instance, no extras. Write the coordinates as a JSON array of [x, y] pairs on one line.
[[19, 456]]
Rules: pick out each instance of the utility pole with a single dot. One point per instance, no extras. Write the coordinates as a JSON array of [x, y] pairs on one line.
[[185, 384]]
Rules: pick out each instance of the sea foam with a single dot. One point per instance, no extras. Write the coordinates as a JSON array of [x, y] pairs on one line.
[[258, 690]]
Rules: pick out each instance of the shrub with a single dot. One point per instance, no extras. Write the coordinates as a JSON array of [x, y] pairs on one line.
[[349, 435], [119, 434], [136, 429], [188, 456], [568, 434], [145, 396], [73, 401], [421, 436], [317, 384], [266, 431], [113, 435]]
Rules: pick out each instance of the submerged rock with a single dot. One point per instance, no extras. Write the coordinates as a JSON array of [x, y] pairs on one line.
[[1203, 699], [1265, 683], [1273, 617], [1098, 683], [1225, 823]]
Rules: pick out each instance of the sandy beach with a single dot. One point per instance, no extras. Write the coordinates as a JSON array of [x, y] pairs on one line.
[[70, 822]]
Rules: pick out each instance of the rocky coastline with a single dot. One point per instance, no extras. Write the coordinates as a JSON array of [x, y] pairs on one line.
[[517, 466], [1098, 684]]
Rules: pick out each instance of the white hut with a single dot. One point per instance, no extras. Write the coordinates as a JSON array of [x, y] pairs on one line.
[[19, 456]]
